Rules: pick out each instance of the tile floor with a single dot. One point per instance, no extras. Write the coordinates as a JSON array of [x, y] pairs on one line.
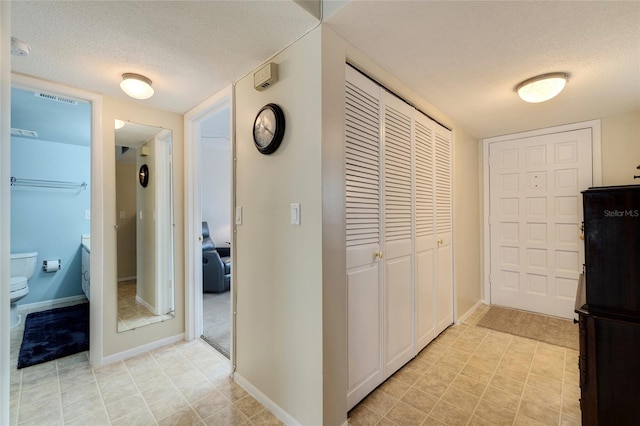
[[131, 313], [471, 375], [186, 383]]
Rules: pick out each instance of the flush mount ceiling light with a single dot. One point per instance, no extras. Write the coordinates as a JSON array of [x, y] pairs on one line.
[[137, 86], [119, 124], [543, 87]]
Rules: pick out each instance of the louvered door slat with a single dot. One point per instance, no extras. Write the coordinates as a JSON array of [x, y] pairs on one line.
[[362, 164], [423, 147], [443, 181], [397, 174]]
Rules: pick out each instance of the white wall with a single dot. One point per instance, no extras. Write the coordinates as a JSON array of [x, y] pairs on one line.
[[279, 266], [216, 188], [291, 323], [621, 149]]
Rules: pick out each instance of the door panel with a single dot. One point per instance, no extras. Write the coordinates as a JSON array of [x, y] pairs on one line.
[[535, 218], [362, 192], [364, 333], [398, 232], [398, 313]]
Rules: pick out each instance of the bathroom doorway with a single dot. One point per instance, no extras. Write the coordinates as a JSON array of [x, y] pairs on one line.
[[50, 166]]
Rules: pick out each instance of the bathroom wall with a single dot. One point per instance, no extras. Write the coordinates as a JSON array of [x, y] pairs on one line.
[[50, 221]]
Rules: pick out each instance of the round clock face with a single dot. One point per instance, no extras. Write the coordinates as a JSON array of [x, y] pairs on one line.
[[268, 128], [143, 175]]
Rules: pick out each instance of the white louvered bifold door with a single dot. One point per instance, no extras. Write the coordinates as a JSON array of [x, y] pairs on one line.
[[362, 184], [444, 228], [425, 245], [398, 233]]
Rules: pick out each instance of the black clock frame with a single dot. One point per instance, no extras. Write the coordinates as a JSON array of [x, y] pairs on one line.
[[278, 135]]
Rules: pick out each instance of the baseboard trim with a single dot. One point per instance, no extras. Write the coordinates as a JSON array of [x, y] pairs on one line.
[[264, 400], [141, 349], [52, 304], [123, 279], [469, 312]]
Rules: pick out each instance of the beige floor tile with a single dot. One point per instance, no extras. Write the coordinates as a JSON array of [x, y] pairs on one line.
[[227, 416], [495, 413], [570, 421], [461, 399], [466, 384], [363, 416], [142, 417], [230, 389], [96, 418], [513, 387], [82, 407], [74, 395], [387, 422], [210, 404], [476, 373], [249, 406], [485, 362], [450, 414], [543, 397], [501, 398], [199, 391], [394, 387], [265, 418], [539, 413], [53, 417], [408, 376], [432, 385], [420, 400], [445, 362], [405, 414], [379, 402], [168, 405], [183, 417], [430, 421], [124, 406], [32, 408]]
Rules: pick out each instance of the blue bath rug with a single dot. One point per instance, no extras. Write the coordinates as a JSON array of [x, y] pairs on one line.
[[54, 334]]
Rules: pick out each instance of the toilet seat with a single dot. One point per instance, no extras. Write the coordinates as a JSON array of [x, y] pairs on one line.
[[18, 283]]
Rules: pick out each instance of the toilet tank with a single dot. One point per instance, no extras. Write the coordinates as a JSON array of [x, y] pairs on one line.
[[23, 264]]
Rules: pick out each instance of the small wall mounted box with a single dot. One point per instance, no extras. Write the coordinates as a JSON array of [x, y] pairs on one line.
[[265, 76]]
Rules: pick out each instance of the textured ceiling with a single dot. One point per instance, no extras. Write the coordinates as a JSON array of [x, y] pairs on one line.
[[189, 49], [465, 58]]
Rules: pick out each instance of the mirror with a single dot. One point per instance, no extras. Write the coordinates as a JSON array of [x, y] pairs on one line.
[[144, 218]]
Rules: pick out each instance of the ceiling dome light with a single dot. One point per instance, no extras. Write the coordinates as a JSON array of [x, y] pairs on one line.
[[119, 124], [137, 86], [543, 87]]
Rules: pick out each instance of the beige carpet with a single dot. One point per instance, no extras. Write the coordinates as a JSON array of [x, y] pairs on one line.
[[561, 332]]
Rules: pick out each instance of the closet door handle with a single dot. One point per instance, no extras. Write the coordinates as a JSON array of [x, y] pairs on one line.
[[377, 255]]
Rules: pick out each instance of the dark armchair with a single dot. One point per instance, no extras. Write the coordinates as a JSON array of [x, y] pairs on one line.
[[216, 264]]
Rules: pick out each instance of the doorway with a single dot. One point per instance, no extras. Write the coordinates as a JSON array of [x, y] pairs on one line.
[[215, 175], [533, 210], [209, 198]]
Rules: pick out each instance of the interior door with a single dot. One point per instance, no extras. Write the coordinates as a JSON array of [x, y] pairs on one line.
[[364, 291], [398, 233], [425, 241], [535, 218], [444, 229]]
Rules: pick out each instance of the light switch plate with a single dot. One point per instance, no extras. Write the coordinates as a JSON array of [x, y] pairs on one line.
[[238, 215], [87, 214], [122, 215], [295, 214]]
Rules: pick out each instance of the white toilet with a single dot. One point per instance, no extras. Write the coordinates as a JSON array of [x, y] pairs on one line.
[[23, 265]]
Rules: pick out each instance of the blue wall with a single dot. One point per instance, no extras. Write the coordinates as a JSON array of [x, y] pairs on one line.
[[50, 221]]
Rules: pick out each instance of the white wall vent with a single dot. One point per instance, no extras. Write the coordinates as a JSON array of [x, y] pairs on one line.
[[56, 98]]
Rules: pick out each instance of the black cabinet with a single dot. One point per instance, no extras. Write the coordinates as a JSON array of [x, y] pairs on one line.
[[608, 306]]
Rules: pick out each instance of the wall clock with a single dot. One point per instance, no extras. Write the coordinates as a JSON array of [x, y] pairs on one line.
[[268, 128], [143, 175]]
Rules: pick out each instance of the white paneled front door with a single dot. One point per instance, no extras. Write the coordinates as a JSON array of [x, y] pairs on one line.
[[535, 219]]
